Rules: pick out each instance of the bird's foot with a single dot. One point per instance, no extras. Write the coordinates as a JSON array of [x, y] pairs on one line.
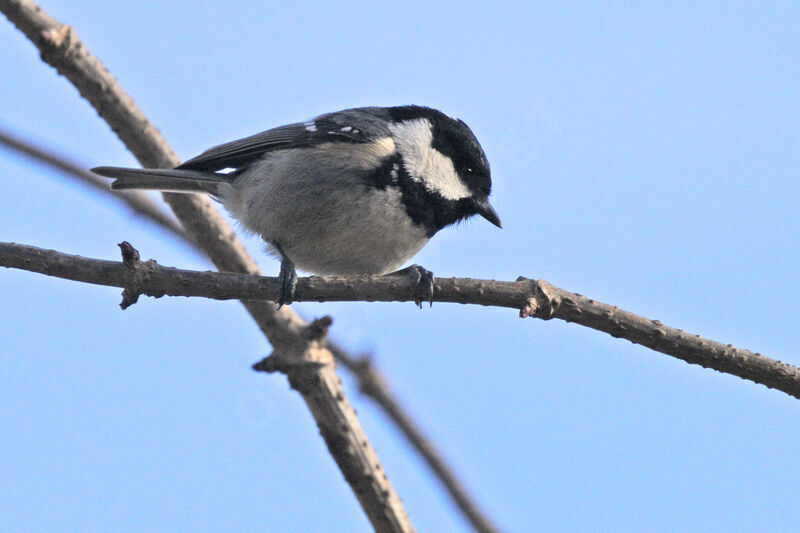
[[424, 280], [287, 281]]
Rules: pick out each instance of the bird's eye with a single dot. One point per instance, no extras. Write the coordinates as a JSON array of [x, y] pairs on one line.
[[468, 170]]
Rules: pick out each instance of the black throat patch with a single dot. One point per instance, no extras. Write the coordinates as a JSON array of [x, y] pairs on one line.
[[426, 209]]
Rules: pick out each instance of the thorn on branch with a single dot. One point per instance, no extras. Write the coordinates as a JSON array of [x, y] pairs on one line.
[[318, 329], [130, 255], [265, 365], [289, 365]]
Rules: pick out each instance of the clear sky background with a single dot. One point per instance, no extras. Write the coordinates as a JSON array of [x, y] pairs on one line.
[[642, 155]]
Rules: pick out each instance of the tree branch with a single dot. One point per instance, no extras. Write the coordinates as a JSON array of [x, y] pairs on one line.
[[372, 384], [140, 202], [534, 298]]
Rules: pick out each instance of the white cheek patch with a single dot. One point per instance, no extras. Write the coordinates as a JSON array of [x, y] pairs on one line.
[[425, 164]]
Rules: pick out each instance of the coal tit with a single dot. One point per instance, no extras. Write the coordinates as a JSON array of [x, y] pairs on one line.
[[358, 191]]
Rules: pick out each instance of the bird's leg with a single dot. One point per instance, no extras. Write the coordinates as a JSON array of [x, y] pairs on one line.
[[287, 279], [424, 280]]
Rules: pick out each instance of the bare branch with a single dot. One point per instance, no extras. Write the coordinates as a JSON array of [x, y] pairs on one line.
[[140, 202], [60, 47], [534, 298]]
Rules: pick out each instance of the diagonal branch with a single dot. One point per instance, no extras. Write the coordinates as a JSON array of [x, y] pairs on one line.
[[534, 298], [140, 202], [372, 384]]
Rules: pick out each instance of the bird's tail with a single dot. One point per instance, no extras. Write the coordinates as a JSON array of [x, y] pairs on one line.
[[159, 179]]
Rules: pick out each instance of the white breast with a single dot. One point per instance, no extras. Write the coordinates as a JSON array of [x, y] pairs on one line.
[[333, 224]]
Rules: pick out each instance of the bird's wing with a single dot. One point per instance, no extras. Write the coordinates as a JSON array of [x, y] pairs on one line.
[[330, 128]]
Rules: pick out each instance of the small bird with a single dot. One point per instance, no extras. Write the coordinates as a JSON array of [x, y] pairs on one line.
[[357, 191]]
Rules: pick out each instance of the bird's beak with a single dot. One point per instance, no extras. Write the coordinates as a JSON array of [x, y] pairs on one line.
[[486, 210]]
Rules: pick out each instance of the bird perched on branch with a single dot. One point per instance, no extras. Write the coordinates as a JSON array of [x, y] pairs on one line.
[[358, 191]]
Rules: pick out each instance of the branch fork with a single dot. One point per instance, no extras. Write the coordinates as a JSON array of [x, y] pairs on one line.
[[307, 351]]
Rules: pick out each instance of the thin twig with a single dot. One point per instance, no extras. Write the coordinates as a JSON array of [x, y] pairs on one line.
[[534, 298], [371, 383], [140, 202]]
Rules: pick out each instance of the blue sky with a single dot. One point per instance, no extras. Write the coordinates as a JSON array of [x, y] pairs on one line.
[[643, 155]]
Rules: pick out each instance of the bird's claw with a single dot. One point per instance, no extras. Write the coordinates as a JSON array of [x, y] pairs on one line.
[[424, 280], [287, 282]]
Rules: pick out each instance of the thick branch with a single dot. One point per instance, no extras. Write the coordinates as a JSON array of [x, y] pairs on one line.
[[533, 298], [151, 279]]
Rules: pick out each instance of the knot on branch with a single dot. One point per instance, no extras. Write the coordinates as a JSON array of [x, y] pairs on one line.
[[58, 42], [542, 300], [136, 272], [301, 356]]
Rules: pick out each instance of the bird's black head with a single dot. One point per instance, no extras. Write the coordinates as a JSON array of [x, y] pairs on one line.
[[442, 154]]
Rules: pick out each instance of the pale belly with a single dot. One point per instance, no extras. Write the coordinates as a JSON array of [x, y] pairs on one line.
[[346, 230]]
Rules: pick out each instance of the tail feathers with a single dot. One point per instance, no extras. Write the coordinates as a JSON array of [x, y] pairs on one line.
[[161, 179]]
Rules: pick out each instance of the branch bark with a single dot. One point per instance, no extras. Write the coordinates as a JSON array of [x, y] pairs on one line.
[[60, 47], [533, 298]]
